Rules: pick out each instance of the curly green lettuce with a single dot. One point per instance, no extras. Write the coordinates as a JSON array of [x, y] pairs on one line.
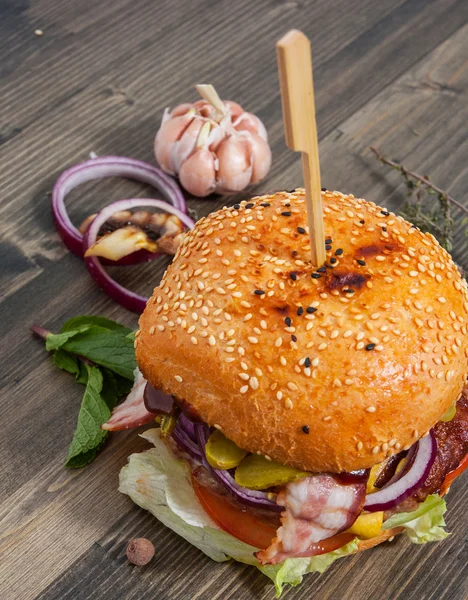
[[160, 483]]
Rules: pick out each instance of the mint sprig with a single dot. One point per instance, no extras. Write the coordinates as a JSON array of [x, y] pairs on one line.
[[100, 354]]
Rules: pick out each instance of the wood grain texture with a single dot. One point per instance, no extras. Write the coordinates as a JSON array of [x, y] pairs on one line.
[[392, 73]]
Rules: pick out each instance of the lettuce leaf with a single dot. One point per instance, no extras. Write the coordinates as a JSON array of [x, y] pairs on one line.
[[160, 483], [425, 524]]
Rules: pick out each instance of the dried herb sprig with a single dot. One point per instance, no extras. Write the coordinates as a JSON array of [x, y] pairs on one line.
[[436, 219]]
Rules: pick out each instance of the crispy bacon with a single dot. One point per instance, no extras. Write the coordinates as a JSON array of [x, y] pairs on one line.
[[132, 412], [316, 508]]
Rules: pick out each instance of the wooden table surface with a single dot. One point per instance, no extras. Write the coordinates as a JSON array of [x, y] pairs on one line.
[[393, 73]]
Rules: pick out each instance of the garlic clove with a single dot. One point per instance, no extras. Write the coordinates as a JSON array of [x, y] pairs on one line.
[[235, 164], [169, 132], [249, 122], [197, 173], [183, 148], [261, 157], [181, 109], [235, 109]]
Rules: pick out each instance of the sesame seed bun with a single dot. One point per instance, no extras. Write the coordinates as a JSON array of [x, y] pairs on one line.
[[328, 370]]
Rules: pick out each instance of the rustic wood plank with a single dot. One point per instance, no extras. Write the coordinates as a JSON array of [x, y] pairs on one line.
[[64, 533]]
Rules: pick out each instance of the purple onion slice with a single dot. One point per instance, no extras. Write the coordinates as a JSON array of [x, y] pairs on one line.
[[397, 491]]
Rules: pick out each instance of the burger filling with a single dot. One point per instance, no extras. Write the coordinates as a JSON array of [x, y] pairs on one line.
[[288, 513]]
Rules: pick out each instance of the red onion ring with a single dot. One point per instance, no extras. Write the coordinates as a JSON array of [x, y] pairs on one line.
[[394, 493], [244, 495], [109, 166], [117, 292]]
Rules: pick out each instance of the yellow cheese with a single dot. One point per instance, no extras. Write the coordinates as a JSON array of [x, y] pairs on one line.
[[367, 525]]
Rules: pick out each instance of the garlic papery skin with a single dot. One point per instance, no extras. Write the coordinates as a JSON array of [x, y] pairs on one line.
[[213, 145]]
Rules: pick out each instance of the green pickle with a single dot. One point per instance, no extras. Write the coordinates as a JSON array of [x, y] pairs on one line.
[[257, 473], [168, 423], [222, 453], [448, 416]]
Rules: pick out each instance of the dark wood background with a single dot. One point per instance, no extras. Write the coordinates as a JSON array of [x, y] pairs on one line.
[[393, 73]]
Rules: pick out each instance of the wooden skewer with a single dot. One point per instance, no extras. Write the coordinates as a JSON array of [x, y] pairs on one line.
[[297, 95]]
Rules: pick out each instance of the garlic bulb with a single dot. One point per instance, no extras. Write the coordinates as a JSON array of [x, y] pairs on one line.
[[213, 146]]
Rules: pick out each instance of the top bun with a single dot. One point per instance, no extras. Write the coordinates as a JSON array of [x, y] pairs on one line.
[[326, 371]]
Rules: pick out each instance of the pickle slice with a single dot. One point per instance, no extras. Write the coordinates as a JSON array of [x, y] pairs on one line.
[[168, 423], [450, 413], [257, 473], [222, 453]]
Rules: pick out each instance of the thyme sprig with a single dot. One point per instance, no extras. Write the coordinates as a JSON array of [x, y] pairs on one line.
[[436, 219]]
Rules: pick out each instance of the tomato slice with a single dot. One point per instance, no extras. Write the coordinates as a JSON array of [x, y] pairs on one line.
[[250, 528], [450, 477], [243, 525]]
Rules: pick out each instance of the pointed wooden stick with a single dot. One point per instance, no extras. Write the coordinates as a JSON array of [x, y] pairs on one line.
[[297, 95]]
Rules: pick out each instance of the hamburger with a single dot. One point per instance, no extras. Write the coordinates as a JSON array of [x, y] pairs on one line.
[[306, 413]]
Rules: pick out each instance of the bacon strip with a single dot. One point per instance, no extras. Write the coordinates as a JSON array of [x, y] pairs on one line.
[[316, 508], [132, 412]]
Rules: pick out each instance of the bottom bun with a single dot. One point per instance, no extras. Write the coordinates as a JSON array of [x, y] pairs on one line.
[[375, 541]]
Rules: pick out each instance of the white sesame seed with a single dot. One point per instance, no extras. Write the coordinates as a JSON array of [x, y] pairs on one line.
[[178, 378], [371, 409], [253, 383], [288, 403], [244, 389], [252, 339]]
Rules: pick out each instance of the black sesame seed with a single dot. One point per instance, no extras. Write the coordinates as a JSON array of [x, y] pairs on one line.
[[306, 429], [339, 252], [385, 213], [301, 230], [328, 241], [259, 292], [293, 276], [370, 347], [384, 229], [287, 205], [311, 310], [300, 311], [328, 266], [316, 276], [294, 338], [250, 205], [361, 262], [291, 191], [307, 363], [237, 206], [333, 260], [321, 269], [328, 247], [362, 221], [286, 213], [348, 291], [265, 204], [324, 189], [288, 321]]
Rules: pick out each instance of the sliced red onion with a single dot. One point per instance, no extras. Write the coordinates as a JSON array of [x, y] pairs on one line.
[[244, 495], [185, 443], [188, 427], [109, 166], [394, 493], [156, 401], [117, 292]]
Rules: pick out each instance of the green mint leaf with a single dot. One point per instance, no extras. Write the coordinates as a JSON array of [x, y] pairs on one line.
[[66, 361], [110, 349], [89, 320], [93, 413], [54, 341], [114, 387]]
